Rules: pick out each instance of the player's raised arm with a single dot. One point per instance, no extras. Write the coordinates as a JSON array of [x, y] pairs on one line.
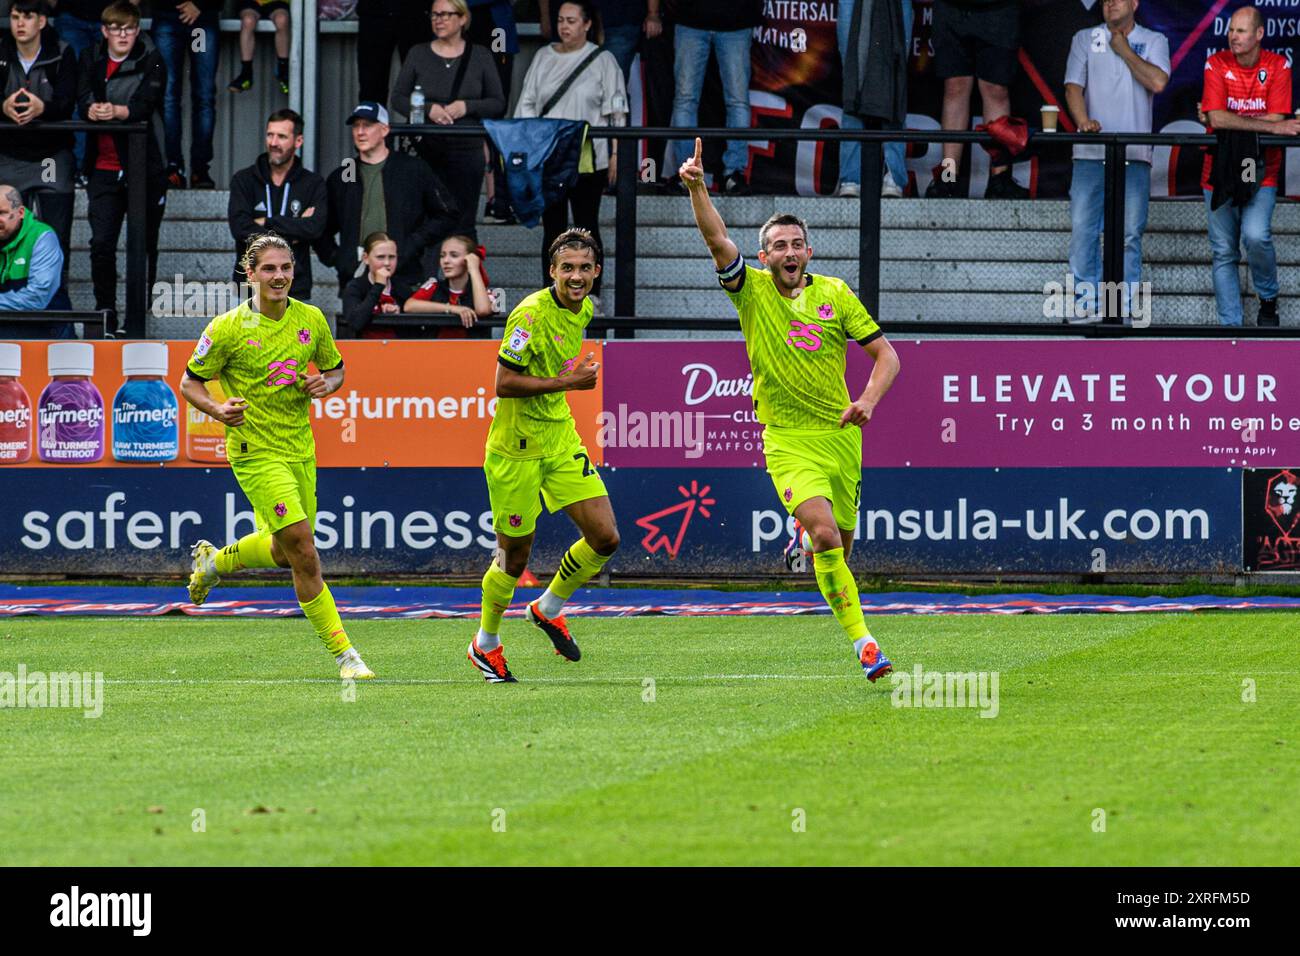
[[712, 228]]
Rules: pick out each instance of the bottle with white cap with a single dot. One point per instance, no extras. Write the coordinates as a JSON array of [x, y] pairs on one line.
[[15, 408], [146, 414], [70, 412]]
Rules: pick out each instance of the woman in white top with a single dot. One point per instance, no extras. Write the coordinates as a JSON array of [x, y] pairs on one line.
[[597, 95]]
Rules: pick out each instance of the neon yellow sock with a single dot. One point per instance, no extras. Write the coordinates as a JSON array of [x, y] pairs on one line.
[[841, 591], [498, 591], [324, 616], [250, 551], [578, 566]]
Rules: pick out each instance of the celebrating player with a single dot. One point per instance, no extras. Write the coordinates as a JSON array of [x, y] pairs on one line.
[[533, 447], [261, 351], [796, 326]]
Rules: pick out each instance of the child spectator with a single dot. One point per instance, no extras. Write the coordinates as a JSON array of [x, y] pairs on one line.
[[250, 11], [373, 292], [462, 291]]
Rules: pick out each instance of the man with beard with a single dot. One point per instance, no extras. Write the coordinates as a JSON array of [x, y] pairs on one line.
[[796, 327], [277, 194]]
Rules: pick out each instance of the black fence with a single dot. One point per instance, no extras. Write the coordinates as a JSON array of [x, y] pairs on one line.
[[137, 266], [625, 242], [869, 219]]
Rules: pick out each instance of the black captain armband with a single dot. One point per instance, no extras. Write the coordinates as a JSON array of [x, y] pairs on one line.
[[731, 272]]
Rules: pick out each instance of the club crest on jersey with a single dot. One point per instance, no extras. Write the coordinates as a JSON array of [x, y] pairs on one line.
[[789, 494], [304, 336], [1263, 75], [804, 335], [516, 521], [281, 509], [825, 310]]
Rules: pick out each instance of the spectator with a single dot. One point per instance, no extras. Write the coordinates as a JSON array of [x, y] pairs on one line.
[[623, 22], [375, 292], [78, 26], [575, 79], [179, 30], [383, 191], [382, 27], [726, 29], [1112, 76], [277, 194], [462, 291], [894, 180], [461, 88], [250, 11], [1253, 97], [31, 261], [497, 33], [122, 78], [39, 72], [974, 39]]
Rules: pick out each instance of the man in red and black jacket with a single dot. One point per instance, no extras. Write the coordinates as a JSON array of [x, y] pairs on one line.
[[121, 78]]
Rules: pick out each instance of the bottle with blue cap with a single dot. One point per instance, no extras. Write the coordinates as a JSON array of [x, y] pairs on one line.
[[146, 414]]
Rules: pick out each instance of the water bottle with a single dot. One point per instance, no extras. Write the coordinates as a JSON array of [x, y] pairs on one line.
[[417, 105]]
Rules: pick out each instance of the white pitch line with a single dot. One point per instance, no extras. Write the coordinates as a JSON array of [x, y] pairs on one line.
[[148, 681]]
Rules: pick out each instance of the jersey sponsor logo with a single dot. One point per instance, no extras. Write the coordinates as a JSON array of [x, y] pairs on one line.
[[304, 336], [1253, 104], [509, 353], [282, 372], [205, 343], [255, 343], [569, 366], [804, 335]]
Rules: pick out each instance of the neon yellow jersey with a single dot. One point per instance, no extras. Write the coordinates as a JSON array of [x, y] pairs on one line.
[[264, 361], [542, 339], [797, 346]]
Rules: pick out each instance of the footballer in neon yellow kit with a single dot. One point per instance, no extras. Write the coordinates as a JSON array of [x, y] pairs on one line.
[[534, 454], [797, 327], [261, 351]]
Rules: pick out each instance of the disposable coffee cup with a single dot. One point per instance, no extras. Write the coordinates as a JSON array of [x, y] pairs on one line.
[[1050, 114]]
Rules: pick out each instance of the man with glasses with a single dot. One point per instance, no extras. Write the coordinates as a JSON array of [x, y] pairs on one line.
[[120, 79]]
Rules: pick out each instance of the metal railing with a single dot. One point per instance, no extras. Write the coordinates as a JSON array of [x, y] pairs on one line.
[[869, 205], [137, 268]]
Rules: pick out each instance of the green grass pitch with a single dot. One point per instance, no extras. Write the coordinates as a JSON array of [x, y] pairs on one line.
[[762, 744]]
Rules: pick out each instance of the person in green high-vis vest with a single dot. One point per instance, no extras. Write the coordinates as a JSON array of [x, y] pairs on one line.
[[31, 264]]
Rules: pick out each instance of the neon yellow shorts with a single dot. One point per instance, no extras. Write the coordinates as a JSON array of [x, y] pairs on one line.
[[809, 463], [281, 492], [517, 487]]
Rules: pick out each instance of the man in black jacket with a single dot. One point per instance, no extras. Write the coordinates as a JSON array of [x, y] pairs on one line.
[[39, 73], [122, 78], [277, 194], [380, 190]]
